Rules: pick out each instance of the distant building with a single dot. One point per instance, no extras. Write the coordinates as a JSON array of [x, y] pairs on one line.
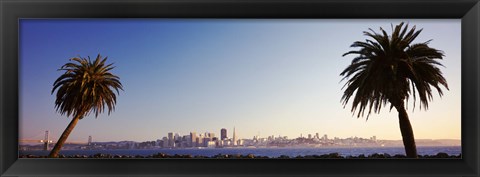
[[171, 140], [210, 144], [132, 145], [177, 137], [226, 143], [193, 139], [239, 142], [159, 143], [206, 140], [199, 141], [234, 137], [165, 142], [89, 140], [223, 134]]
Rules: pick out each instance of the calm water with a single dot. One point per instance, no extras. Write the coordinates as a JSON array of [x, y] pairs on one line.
[[270, 152]]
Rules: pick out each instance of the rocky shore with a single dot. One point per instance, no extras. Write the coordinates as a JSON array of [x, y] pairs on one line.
[[251, 156]]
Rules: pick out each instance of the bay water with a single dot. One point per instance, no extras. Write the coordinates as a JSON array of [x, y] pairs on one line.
[[270, 152]]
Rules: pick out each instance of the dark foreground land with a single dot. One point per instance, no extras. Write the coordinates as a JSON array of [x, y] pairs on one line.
[[251, 156]]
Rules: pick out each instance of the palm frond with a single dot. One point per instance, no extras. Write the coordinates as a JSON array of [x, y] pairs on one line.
[[86, 87], [389, 69]]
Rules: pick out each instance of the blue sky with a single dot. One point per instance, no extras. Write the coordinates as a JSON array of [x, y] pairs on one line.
[[265, 77]]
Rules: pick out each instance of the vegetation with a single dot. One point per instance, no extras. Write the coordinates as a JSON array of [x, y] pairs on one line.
[[391, 69], [85, 87]]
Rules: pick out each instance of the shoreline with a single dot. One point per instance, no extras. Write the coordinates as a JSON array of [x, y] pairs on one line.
[[440, 155]]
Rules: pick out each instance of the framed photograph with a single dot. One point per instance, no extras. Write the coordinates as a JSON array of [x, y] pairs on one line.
[[239, 88]]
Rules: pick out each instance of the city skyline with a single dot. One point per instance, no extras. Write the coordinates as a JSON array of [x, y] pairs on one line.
[[266, 77], [196, 140]]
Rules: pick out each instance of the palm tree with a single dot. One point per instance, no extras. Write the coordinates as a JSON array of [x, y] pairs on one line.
[[391, 69], [85, 87]]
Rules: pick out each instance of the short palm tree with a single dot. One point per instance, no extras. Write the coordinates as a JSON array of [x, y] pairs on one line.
[[390, 69], [85, 87]]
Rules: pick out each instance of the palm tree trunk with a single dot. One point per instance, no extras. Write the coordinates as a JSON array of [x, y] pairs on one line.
[[407, 133], [63, 138]]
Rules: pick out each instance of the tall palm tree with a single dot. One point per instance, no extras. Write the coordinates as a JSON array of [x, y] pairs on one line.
[[85, 87], [390, 69]]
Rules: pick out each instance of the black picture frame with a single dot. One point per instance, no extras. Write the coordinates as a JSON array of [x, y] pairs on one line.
[[12, 10]]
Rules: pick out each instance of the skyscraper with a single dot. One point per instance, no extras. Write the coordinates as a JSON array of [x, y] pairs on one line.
[[234, 137], [199, 140], [193, 139], [171, 140], [223, 134]]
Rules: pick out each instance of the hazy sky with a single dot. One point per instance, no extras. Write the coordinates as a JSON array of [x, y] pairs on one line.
[[265, 77]]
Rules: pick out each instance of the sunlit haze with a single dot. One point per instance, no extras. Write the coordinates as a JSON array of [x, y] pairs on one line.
[[262, 76]]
